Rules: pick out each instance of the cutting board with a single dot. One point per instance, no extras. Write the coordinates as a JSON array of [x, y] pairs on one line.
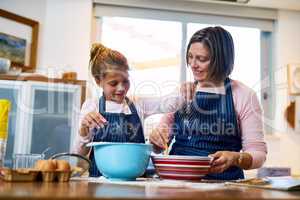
[[274, 183]]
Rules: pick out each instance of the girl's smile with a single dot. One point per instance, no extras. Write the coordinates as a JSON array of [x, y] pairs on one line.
[[115, 85]]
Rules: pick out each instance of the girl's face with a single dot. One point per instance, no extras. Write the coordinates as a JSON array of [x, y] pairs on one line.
[[115, 85], [199, 61]]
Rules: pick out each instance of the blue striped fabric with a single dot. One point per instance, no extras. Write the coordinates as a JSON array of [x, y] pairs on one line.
[[206, 125], [120, 128]]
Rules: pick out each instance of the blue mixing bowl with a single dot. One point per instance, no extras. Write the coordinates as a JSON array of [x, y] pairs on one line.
[[121, 161]]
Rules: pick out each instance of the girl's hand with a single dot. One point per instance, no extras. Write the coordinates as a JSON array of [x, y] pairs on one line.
[[90, 121], [159, 137], [223, 160], [187, 90]]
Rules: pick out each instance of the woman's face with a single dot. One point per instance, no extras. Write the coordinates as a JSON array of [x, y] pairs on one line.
[[199, 61], [115, 85]]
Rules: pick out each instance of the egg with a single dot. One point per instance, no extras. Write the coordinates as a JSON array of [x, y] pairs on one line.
[[49, 165], [39, 164], [63, 165], [52, 165]]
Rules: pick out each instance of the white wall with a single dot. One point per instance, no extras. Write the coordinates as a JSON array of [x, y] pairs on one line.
[[34, 9], [67, 35], [284, 147], [65, 32]]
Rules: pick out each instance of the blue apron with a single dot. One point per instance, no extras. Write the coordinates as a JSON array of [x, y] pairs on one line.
[[120, 128], [206, 125]]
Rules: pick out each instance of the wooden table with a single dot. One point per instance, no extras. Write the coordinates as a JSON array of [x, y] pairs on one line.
[[89, 190]]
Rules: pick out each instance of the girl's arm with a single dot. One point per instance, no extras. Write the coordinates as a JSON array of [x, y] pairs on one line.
[[84, 135]]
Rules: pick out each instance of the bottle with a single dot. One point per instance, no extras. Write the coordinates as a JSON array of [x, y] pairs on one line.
[[4, 111]]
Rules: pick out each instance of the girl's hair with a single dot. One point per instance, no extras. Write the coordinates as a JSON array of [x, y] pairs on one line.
[[220, 45], [103, 60]]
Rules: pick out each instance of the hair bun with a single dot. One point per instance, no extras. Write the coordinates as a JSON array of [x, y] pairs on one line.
[[98, 49], [103, 59]]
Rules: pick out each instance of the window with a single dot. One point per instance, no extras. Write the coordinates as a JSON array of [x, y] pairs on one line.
[[154, 41], [154, 56], [151, 53]]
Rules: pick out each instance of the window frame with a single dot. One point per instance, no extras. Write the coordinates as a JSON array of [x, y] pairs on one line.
[[263, 19]]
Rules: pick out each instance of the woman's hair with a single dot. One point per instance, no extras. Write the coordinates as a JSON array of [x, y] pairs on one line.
[[220, 45], [103, 60]]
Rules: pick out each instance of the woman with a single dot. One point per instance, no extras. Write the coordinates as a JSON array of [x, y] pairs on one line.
[[224, 118]]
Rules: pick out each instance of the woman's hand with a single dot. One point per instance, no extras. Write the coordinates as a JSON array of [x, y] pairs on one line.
[[159, 137], [90, 121], [187, 90], [223, 160]]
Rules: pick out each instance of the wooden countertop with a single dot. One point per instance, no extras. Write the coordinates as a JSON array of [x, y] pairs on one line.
[[88, 190], [36, 77], [40, 78]]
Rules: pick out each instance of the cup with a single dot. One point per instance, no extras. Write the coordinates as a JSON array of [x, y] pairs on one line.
[[26, 160], [4, 65]]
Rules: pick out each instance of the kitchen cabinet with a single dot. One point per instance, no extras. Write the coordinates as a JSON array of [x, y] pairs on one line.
[[11, 91], [43, 114]]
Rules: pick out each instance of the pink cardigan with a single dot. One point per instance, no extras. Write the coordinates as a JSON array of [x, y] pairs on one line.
[[249, 115]]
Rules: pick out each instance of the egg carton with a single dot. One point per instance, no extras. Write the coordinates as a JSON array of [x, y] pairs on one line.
[[13, 175]]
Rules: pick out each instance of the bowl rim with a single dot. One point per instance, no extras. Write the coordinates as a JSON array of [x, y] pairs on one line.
[[182, 175], [183, 166], [182, 157], [91, 144]]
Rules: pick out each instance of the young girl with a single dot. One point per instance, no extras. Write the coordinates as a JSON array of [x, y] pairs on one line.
[[114, 117]]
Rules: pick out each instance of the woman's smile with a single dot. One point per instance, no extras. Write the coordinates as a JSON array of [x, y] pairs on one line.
[[198, 60]]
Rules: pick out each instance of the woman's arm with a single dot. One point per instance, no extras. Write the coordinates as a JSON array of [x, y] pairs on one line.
[[251, 125], [168, 103], [156, 105], [160, 136], [254, 149], [222, 160]]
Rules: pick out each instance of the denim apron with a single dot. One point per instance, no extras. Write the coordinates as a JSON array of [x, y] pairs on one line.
[[206, 125], [120, 128]]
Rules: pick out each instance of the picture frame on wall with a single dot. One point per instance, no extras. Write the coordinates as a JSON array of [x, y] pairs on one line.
[[294, 78], [13, 48], [19, 40]]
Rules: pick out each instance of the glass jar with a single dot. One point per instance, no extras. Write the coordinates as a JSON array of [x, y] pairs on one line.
[[26, 160]]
